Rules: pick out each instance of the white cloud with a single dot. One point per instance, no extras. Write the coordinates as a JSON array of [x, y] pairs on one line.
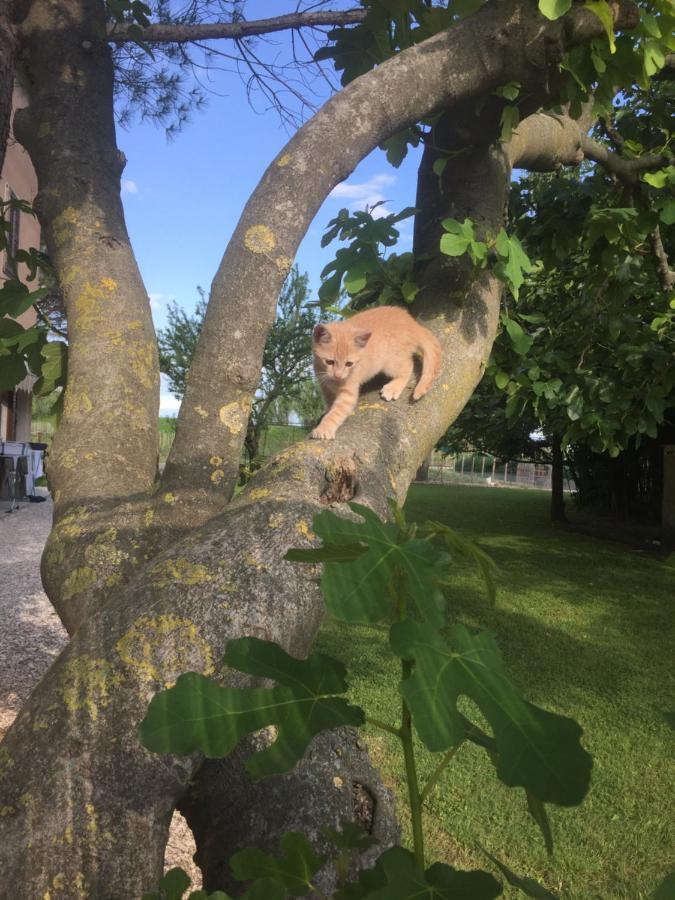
[[129, 186], [366, 193], [168, 404], [156, 301]]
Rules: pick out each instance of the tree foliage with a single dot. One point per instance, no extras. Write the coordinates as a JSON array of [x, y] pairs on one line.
[[285, 385]]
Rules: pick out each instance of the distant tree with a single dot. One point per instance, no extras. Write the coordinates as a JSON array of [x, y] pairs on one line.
[[178, 340], [286, 379]]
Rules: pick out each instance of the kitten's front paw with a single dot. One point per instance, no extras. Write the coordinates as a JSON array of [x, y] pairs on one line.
[[323, 433], [390, 393]]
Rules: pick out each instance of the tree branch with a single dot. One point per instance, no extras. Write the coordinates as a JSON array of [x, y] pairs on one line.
[[626, 170], [666, 274], [176, 33]]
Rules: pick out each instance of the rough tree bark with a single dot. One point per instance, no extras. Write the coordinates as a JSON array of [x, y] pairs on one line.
[[154, 580]]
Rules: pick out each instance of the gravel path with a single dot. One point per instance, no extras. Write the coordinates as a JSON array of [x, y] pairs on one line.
[[31, 635]]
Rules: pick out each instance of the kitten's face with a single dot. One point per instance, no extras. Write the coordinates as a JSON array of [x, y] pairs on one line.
[[338, 353]]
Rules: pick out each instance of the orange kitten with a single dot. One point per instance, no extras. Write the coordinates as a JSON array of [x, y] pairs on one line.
[[351, 352]]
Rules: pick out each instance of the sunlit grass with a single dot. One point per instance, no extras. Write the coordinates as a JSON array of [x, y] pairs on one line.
[[586, 629]]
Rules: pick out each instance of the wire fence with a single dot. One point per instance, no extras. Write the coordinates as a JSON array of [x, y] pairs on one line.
[[483, 469]]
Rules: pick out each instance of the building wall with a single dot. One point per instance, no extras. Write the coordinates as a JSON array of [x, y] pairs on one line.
[[18, 177]]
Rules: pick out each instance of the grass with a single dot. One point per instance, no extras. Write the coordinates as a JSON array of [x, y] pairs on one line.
[[278, 437], [585, 627]]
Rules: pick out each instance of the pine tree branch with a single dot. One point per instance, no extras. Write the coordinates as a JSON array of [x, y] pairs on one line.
[[176, 33]]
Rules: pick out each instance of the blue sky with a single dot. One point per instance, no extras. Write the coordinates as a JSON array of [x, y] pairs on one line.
[[182, 198]]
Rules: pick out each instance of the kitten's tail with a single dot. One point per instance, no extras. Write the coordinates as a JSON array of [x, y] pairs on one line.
[[430, 349]]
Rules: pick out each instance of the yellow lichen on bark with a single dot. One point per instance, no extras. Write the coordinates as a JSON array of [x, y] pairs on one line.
[[79, 580], [160, 648], [259, 493], [303, 529], [235, 415], [260, 239], [87, 683], [64, 224], [181, 570]]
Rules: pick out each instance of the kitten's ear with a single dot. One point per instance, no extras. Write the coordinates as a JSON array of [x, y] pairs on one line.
[[361, 338], [321, 334]]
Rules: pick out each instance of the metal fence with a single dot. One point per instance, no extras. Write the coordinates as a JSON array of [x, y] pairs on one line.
[[479, 468]]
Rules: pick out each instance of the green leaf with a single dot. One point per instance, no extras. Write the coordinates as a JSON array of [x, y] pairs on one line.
[[479, 252], [454, 244], [528, 886], [329, 553], [554, 9], [654, 58], [294, 871], [460, 237], [55, 355], [360, 590], [501, 380], [601, 9], [439, 165], [509, 121], [667, 212], [172, 886], [198, 714], [538, 750], [396, 877], [468, 549], [509, 91], [350, 838], [216, 895], [410, 290], [15, 298], [356, 276], [520, 340], [660, 178]]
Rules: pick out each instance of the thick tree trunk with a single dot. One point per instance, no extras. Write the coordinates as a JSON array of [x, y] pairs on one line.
[[106, 445], [557, 479]]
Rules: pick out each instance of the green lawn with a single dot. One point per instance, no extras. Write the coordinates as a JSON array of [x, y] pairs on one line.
[[586, 628]]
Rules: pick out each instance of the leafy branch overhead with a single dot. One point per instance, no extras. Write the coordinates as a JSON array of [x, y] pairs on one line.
[[362, 268]]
